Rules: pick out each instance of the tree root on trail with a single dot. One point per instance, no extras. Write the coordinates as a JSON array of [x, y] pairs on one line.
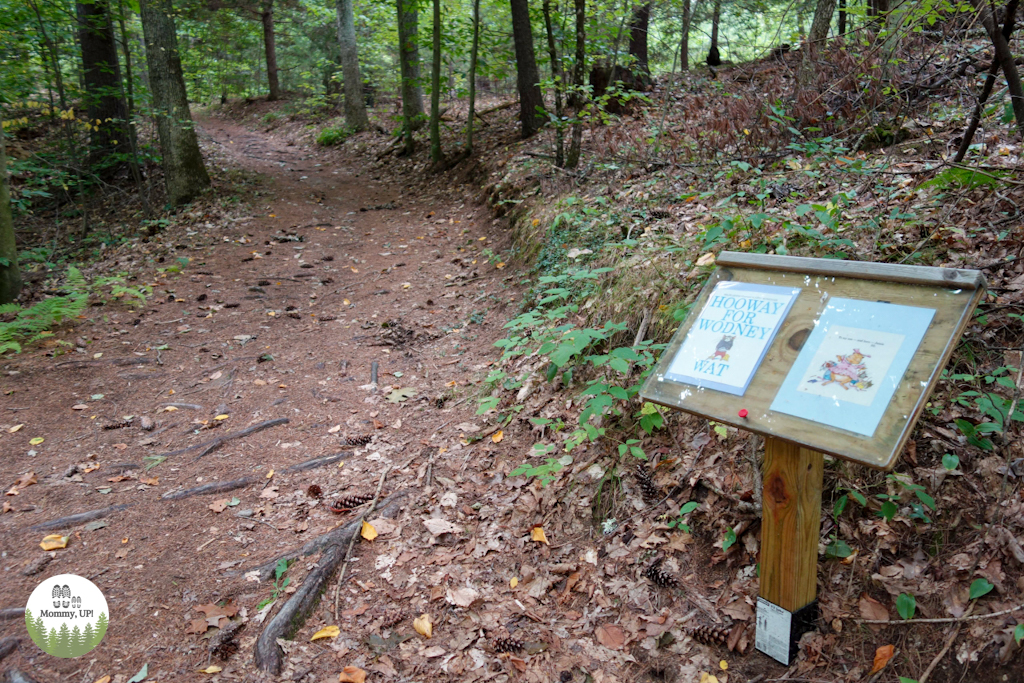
[[296, 610], [232, 484], [210, 445], [80, 518], [8, 645], [315, 463], [12, 613]]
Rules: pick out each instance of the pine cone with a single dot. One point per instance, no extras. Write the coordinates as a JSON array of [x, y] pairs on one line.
[[392, 617], [348, 502], [358, 440], [326, 318], [659, 577], [710, 635], [439, 402], [507, 645], [118, 425], [315, 491], [263, 283], [649, 491]]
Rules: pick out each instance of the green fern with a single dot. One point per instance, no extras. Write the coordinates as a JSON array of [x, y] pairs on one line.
[[34, 323]]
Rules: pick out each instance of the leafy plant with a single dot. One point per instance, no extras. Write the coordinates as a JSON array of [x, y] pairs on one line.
[[889, 501], [329, 137], [980, 588], [678, 522], [277, 585], [906, 605]]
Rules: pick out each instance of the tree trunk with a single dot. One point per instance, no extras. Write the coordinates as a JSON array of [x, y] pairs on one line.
[[556, 76], [531, 100], [409, 63], [184, 173], [638, 46], [714, 57], [474, 52], [579, 71], [435, 87], [841, 30], [270, 43], [128, 92], [10, 276], [684, 43], [102, 85], [1005, 59], [821, 23], [355, 106]]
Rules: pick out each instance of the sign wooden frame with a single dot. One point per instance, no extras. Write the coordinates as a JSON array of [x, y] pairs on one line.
[[795, 446]]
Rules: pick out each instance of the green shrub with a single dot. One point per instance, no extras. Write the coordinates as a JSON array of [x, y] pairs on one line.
[[332, 136]]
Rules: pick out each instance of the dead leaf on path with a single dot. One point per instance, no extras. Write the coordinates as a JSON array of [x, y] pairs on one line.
[[214, 611], [872, 609], [355, 611], [149, 481], [197, 626], [79, 406], [269, 493], [120, 477], [423, 625], [498, 436], [882, 657], [103, 679], [707, 259], [513, 582], [36, 441], [441, 526], [14, 428], [352, 674], [212, 669], [463, 597], [368, 532], [54, 542], [219, 506], [7, 507], [739, 610], [326, 632], [537, 534], [89, 467], [611, 636], [24, 481]]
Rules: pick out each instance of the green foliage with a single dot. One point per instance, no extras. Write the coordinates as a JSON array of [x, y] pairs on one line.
[[728, 539], [679, 522], [1018, 633], [950, 461], [980, 588], [988, 403], [334, 135], [889, 501], [906, 605], [277, 585]]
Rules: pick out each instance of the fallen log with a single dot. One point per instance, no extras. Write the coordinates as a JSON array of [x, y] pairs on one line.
[[80, 518], [293, 614], [208, 446]]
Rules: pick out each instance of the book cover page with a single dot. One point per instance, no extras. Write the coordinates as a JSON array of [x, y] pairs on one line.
[[729, 338], [849, 368]]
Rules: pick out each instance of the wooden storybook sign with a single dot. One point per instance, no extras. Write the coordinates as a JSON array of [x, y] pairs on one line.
[[819, 356]]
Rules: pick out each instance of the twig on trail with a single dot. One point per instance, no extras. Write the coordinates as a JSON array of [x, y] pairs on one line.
[[10, 613], [942, 653], [352, 541], [167, 322], [208, 446], [293, 614], [466, 282], [80, 518], [112, 361], [186, 406], [940, 620]]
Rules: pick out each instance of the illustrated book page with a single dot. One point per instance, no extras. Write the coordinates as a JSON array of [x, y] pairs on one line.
[[852, 363], [728, 340]]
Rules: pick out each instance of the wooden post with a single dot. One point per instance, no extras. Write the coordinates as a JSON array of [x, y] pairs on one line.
[[789, 545]]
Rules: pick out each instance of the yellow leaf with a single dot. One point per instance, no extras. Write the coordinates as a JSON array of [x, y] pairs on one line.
[[103, 679], [352, 674], [368, 532], [169, 409], [723, 665], [705, 677], [354, 270], [326, 632], [37, 440], [423, 626], [212, 669], [497, 436], [499, 266], [222, 416], [346, 302], [14, 428], [54, 542], [513, 582], [270, 474], [536, 222], [537, 534]]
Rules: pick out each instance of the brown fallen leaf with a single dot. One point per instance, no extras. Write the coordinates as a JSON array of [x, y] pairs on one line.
[[355, 611], [219, 506], [519, 664], [611, 636], [120, 477], [197, 626], [423, 625], [352, 674], [212, 669], [269, 493], [872, 609], [149, 481], [24, 481], [497, 436], [54, 542], [326, 632], [882, 657], [537, 534], [7, 507]]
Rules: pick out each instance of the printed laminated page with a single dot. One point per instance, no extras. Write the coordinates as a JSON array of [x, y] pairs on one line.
[[848, 370], [726, 343]]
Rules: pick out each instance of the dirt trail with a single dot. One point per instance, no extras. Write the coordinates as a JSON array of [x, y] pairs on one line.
[[258, 326]]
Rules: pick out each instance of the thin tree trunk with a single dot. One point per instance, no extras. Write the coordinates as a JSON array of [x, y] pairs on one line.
[[128, 92], [578, 74], [990, 82], [10, 276], [714, 57], [270, 44], [841, 29], [435, 87], [474, 52], [409, 63], [355, 105], [1005, 59], [531, 100], [556, 76], [821, 23], [638, 45], [105, 107], [684, 43], [184, 173]]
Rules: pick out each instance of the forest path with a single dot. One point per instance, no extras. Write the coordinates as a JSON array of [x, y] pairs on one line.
[[277, 314]]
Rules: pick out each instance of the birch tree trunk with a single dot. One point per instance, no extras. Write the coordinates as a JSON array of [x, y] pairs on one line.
[[355, 106], [184, 173]]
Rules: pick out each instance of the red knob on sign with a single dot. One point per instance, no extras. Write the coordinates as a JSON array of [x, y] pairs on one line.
[[743, 412]]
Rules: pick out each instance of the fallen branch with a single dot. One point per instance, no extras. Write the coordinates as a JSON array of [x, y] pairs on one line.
[[212, 487], [208, 446], [112, 361], [293, 614], [315, 463], [80, 518], [940, 620]]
